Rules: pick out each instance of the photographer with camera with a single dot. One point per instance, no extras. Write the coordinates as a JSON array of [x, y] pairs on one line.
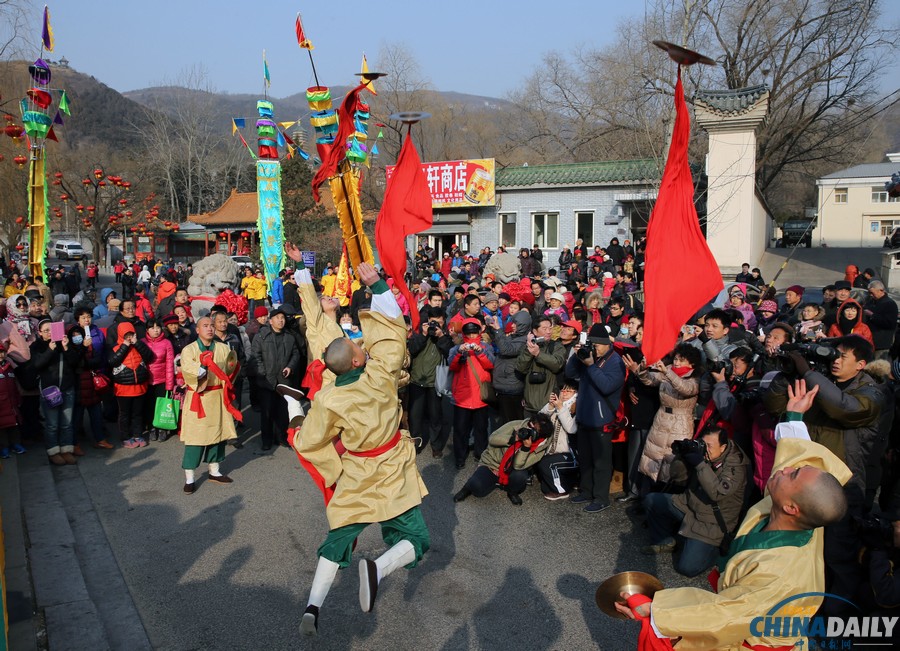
[[428, 349], [844, 418], [539, 362], [509, 384], [471, 363], [601, 375], [714, 472], [512, 450]]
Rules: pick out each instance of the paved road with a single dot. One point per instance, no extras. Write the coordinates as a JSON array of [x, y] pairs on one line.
[[231, 566]]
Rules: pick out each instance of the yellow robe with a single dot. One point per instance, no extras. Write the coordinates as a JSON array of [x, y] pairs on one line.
[[328, 284], [754, 580], [218, 424], [366, 415], [321, 329]]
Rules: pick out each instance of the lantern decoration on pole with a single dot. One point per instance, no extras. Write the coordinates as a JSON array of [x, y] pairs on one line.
[[42, 109], [20, 161]]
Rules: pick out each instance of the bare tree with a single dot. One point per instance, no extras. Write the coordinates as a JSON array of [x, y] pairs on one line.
[[15, 16]]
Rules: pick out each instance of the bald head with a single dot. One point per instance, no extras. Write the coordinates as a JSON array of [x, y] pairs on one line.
[[821, 502], [342, 356]]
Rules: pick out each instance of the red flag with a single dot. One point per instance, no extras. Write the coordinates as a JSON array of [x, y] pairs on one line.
[[675, 242], [346, 128], [302, 41], [406, 210]]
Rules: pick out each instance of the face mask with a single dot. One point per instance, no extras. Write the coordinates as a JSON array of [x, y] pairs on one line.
[[77, 340], [623, 330], [346, 326]]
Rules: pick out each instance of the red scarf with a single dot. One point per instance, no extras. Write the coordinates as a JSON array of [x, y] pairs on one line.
[[681, 371]]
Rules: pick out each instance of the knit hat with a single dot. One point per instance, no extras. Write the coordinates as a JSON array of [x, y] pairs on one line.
[[797, 289], [768, 306], [842, 284], [490, 296], [599, 334], [260, 311], [171, 318], [506, 297]]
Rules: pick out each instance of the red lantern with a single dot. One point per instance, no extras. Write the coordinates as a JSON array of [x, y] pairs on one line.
[[86, 222], [98, 173], [64, 198], [58, 175], [86, 181], [123, 202], [128, 213], [141, 225], [126, 185], [79, 208], [13, 130], [2, 158], [57, 182], [223, 235], [91, 209], [112, 219], [20, 160], [168, 224], [102, 183], [20, 220], [9, 118], [175, 227], [20, 247], [245, 234]]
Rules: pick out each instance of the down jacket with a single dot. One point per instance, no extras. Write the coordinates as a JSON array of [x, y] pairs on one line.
[[466, 388], [673, 421], [162, 368], [506, 379]]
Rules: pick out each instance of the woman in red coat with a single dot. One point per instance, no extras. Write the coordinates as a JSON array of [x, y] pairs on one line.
[[470, 412], [849, 322]]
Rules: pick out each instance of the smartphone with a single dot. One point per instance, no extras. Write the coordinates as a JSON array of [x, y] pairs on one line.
[[582, 338], [57, 331]]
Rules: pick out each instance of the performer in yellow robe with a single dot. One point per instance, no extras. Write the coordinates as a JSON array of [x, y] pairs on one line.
[[206, 421], [766, 563], [376, 480]]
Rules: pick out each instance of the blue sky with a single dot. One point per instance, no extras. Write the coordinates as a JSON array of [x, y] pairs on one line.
[[479, 47]]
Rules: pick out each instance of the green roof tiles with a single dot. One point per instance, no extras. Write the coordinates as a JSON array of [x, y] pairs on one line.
[[731, 101], [615, 172]]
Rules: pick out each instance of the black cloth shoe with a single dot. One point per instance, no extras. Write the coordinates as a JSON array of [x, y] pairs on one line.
[[285, 390], [462, 494], [221, 479], [235, 443], [368, 584], [309, 623], [190, 488], [515, 499]]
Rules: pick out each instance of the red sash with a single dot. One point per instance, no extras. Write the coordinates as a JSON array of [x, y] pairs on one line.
[[647, 640], [379, 450], [206, 358], [313, 378]]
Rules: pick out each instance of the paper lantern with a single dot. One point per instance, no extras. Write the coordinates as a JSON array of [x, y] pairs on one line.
[[20, 160], [64, 198], [79, 208], [128, 213], [98, 173], [223, 235], [2, 158], [20, 220], [102, 184], [20, 247], [176, 227], [58, 175], [9, 118], [123, 202], [245, 234], [86, 181], [168, 224], [141, 225], [126, 185], [13, 130], [91, 209]]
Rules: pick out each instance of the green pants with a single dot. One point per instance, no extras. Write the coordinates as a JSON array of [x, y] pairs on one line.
[[194, 454], [410, 525]]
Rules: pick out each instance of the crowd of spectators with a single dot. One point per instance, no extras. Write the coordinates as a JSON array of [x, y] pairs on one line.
[[527, 373]]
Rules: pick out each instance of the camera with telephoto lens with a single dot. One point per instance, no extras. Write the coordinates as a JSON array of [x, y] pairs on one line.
[[819, 356], [875, 531], [686, 446], [433, 327], [525, 433]]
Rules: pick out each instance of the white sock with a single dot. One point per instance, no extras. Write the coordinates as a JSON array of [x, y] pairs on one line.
[[214, 469], [325, 572], [403, 553], [294, 408], [188, 476]]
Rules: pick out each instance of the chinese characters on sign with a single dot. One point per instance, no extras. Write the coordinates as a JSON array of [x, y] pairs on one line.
[[459, 183]]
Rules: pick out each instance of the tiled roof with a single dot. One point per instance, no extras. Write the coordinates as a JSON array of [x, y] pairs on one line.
[[597, 173], [239, 208], [875, 170], [731, 101]]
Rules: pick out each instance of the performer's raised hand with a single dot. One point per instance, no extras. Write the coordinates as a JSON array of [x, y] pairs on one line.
[[292, 251], [367, 274]]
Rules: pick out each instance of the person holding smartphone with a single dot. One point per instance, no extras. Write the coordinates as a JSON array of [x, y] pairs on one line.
[[55, 361]]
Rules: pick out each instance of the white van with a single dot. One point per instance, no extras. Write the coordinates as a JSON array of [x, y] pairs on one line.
[[68, 250]]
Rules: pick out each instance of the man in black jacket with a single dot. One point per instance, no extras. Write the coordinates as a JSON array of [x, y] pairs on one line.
[[274, 358], [881, 317], [428, 349]]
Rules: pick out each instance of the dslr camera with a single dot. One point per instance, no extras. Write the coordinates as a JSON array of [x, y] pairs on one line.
[[433, 327], [525, 433], [722, 365], [686, 446], [875, 531]]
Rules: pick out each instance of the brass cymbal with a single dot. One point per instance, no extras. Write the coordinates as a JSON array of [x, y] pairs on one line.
[[683, 56], [631, 582]]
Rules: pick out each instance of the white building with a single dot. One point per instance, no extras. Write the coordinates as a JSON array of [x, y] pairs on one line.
[[854, 208]]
